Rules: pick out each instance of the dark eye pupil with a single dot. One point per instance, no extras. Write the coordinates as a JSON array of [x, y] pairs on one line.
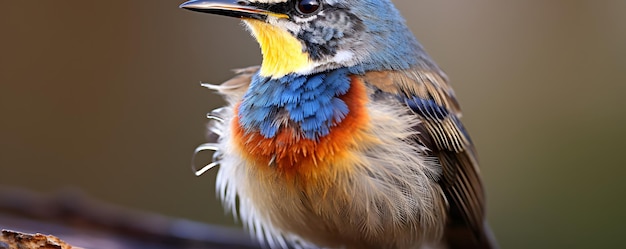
[[307, 6]]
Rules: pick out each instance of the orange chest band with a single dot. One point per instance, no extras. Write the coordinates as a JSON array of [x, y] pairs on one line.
[[291, 154]]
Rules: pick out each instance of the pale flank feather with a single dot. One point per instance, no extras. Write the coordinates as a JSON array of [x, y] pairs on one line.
[[443, 134]]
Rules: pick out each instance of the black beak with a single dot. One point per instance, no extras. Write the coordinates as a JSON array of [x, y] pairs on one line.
[[233, 8]]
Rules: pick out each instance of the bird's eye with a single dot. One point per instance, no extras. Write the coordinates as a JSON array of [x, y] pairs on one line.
[[307, 7]]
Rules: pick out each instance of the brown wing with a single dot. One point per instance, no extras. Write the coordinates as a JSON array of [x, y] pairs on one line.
[[427, 94]]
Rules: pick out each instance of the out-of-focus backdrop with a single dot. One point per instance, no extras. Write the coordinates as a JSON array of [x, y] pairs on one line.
[[104, 97]]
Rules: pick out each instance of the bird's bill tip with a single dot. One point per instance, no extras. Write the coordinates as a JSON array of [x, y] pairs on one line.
[[233, 8], [205, 4]]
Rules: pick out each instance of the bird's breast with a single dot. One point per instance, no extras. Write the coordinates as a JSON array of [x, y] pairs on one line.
[[291, 154], [363, 183]]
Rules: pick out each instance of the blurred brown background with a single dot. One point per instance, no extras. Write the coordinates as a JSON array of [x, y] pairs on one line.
[[104, 97]]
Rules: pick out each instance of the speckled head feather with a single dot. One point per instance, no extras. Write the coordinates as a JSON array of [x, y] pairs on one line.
[[366, 34]]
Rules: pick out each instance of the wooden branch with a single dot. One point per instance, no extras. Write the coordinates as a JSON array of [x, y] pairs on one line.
[[17, 240], [88, 223]]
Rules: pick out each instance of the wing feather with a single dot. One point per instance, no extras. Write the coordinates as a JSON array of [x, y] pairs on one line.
[[428, 95]]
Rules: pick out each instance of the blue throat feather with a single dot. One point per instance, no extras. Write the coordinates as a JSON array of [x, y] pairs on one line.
[[311, 101]]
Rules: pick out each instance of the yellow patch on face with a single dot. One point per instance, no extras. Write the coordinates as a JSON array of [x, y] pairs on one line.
[[282, 53]]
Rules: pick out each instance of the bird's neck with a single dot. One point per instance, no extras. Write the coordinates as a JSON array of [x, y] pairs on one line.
[[282, 52], [311, 104]]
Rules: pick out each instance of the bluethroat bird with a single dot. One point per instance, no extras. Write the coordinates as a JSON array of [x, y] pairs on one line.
[[347, 136]]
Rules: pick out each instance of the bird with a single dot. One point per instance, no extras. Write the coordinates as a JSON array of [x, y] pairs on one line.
[[348, 135]]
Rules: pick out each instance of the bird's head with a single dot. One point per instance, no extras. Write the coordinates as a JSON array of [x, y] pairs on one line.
[[309, 36]]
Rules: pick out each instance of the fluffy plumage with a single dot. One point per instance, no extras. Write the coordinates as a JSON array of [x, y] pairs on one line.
[[382, 186], [347, 136]]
